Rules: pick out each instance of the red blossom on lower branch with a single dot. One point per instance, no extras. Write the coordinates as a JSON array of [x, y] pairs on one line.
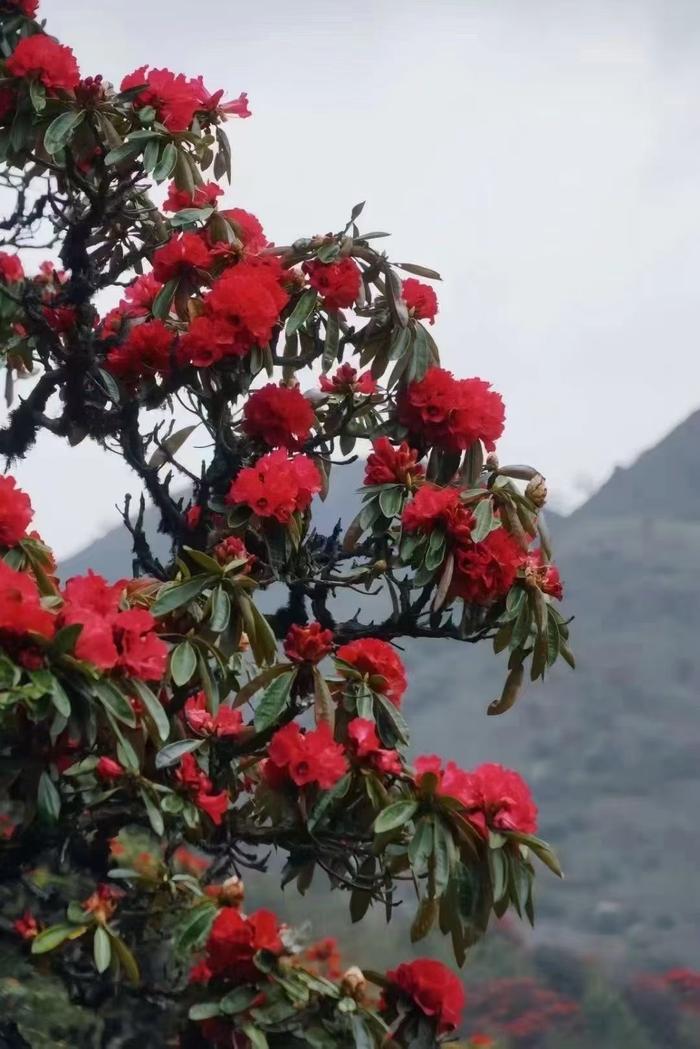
[[363, 739], [21, 611], [433, 988], [225, 723], [495, 798], [389, 465], [11, 268], [304, 757], [276, 486], [280, 416], [16, 512], [234, 940], [338, 282], [347, 381], [484, 572], [198, 785], [308, 644], [379, 662], [452, 413]]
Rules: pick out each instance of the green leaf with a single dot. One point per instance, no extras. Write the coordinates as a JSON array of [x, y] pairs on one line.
[[114, 701], [204, 1011], [420, 848], [166, 165], [327, 799], [189, 215], [390, 722], [258, 682], [171, 754], [160, 308], [499, 874], [444, 856], [426, 916], [48, 799], [220, 610], [65, 639], [60, 130], [126, 960], [54, 936], [60, 698], [391, 500], [110, 384], [175, 595], [237, 1001], [395, 816], [363, 1038], [195, 928], [171, 444], [302, 310], [255, 1036], [102, 949], [330, 348], [542, 850], [153, 707], [183, 662], [37, 95], [126, 151], [485, 520], [273, 701], [155, 817], [510, 693]]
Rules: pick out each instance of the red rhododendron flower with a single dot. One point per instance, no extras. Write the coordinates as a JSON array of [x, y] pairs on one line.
[[434, 988], [546, 576], [485, 571], [346, 381], [308, 644], [174, 97], [250, 297], [93, 592], [278, 415], [338, 282], [108, 769], [500, 799], [197, 783], [378, 661], [276, 485], [20, 605], [204, 196], [15, 512], [226, 721], [27, 926], [11, 268], [27, 7], [141, 652], [453, 782], [248, 229], [452, 413], [182, 256], [43, 58], [59, 318], [207, 340], [389, 465], [234, 940], [147, 350], [138, 297], [430, 507], [311, 757], [362, 735], [233, 549], [420, 299]]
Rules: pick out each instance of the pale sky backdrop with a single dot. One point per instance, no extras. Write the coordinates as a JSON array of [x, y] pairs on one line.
[[544, 155]]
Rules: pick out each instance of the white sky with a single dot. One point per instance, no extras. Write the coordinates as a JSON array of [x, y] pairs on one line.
[[543, 155]]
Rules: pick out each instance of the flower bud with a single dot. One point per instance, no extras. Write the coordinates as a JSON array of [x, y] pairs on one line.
[[232, 892], [536, 491], [108, 768], [353, 983]]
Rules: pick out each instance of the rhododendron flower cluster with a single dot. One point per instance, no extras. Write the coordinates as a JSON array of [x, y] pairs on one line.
[[21, 611], [183, 256], [308, 644], [198, 785], [379, 662], [15, 512], [420, 299], [148, 350], [495, 798], [452, 413], [434, 988], [11, 268], [248, 229], [363, 739], [176, 98], [304, 757], [44, 59], [204, 196], [233, 942], [347, 381], [279, 416], [387, 464], [233, 549], [485, 571], [112, 637], [338, 282], [545, 575], [225, 723], [246, 301], [276, 486]]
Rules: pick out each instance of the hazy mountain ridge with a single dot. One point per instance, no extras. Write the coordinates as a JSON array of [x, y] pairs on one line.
[[611, 750]]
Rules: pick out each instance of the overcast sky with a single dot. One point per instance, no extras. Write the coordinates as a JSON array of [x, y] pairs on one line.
[[543, 155]]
